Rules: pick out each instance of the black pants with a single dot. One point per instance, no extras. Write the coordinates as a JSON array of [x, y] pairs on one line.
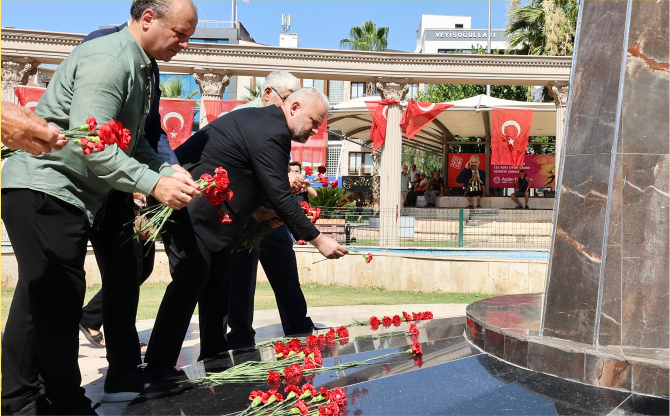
[[195, 270], [411, 198], [144, 255], [279, 263], [50, 237]]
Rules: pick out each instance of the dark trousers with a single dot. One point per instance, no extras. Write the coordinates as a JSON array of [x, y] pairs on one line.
[[144, 255], [50, 237], [194, 269], [279, 263]]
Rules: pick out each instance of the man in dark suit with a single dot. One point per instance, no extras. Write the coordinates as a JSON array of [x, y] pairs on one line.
[[253, 145], [466, 174]]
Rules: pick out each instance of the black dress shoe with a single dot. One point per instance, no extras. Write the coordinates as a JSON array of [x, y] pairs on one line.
[[159, 372], [124, 386]]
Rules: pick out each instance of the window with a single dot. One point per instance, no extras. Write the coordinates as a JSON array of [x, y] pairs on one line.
[[333, 161], [413, 92], [335, 92], [360, 163], [319, 84], [201, 40], [357, 89]]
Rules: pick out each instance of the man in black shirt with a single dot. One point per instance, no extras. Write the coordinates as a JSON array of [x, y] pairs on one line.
[[522, 189]]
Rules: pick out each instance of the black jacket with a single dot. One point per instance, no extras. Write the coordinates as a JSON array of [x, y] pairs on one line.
[[253, 145], [466, 174]]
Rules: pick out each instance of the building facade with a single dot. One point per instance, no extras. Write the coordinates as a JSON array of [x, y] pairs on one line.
[[449, 34]]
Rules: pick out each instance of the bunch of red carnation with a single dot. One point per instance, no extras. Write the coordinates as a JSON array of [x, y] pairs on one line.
[[313, 213], [90, 138], [307, 401], [417, 316], [397, 320], [341, 334], [217, 192]]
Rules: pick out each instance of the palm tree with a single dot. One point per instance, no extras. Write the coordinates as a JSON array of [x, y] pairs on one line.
[[253, 93], [367, 37], [542, 27], [173, 88]]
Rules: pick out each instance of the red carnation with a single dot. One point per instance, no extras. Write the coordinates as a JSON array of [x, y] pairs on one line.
[[397, 320], [225, 219], [318, 358], [294, 344], [308, 364], [414, 337], [292, 388], [92, 124], [220, 171], [416, 348], [279, 347], [308, 388], [418, 316], [387, 321], [217, 199], [334, 184], [222, 181], [330, 336], [100, 146], [343, 332], [273, 376], [322, 169], [306, 350], [278, 396], [418, 361], [308, 171], [230, 194], [311, 340], [108, 135], [337, 395], [413, 329], [302, 242], [254, 394], [302, 407], [124, 142], [386, 368], [322, 339], [206, 177], [88, 146], [407, 316], [368, 257], [293, 371], [374, 321], [427, 315]]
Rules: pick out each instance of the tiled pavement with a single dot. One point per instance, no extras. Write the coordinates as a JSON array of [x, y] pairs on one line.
[[93, 364]]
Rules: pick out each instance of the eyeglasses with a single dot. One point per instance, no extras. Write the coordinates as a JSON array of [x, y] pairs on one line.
[[280, 96]]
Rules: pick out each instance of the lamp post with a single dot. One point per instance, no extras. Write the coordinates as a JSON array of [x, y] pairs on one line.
[[488, 46]]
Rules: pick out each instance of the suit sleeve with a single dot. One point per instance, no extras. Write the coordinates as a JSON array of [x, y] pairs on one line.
[[271, 161], [462, 177]]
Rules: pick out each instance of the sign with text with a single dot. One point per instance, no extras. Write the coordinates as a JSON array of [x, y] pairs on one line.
[[540, 168], [357, 183], [465, 35]]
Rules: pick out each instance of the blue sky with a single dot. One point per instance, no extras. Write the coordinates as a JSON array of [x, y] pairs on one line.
[[321, 24]]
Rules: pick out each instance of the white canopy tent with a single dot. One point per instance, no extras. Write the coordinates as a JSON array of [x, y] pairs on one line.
[[469, 117]]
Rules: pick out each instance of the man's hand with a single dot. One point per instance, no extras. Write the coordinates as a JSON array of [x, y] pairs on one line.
[[178, 168], [297, 182], [186, 179], [263, 215], [174, 193], [23, 129], [328, 247]]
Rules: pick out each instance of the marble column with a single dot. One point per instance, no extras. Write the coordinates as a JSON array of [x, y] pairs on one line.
[[391, 166], [608, 274], [212, 85], [16, 71], [559, 92]]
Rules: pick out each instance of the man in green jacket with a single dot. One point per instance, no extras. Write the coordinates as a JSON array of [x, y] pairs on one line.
[[52, 205]]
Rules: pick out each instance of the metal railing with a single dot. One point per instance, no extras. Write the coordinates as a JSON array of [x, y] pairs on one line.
[[439, 228], [434, 228]]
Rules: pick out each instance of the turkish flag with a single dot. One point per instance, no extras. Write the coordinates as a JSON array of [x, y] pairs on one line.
[[378, 111], [315, 151], [509, 136], [216, 108], [418, 115], [177, 119], [29, 96]]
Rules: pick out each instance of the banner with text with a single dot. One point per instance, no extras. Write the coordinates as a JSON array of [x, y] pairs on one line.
[[540, 168]]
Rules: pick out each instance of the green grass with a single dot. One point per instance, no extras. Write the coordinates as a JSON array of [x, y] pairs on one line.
[[316, 295]]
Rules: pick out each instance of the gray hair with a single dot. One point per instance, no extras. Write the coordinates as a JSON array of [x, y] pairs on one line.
[[161, 8], [282, 81], [311, 94]]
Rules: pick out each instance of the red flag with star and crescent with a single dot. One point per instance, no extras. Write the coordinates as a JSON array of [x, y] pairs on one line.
[[418, 115], [510, 129], [177, 119], [378, 111], [216, 108], [29, 96]]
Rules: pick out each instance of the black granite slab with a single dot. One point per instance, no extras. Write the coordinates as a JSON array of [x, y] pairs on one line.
[[643, 405]]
